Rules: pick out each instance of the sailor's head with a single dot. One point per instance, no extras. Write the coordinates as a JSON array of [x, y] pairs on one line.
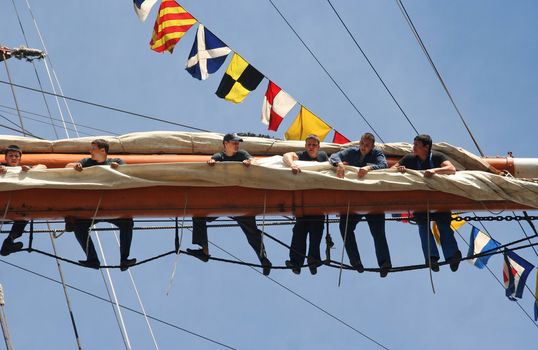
[[13, 155], [99, 149], [311, 144], [367, 143], [231, 143], [422, 146]]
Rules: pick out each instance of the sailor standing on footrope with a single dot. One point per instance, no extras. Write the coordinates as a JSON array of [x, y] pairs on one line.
[[231, 153]]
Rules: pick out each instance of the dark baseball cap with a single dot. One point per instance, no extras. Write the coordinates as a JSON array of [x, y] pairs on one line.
[[12, 148], [232, 137]]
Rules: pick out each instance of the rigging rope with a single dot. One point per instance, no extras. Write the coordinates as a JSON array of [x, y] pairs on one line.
[[67, 300], [35, 68], [428, 238], [344, 244], [425, 51], [373, 68], [13, 93], [122, 306], [327, 72], [138, 297], [106, 107], [115, 304]]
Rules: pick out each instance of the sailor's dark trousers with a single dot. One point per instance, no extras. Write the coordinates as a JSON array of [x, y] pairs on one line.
[[377, 229], [126, 235], [311, 226], [247, 224]]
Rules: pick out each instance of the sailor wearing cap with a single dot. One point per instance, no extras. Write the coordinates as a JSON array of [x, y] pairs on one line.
[[230, 153]]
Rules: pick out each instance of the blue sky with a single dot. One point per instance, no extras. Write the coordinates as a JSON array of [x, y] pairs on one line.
[[486, 52]]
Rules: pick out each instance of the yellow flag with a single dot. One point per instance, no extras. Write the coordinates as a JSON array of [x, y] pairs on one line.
[[307, 123], [454, 225]]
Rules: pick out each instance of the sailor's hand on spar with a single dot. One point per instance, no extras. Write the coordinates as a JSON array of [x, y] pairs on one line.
[[247, 162], [429, 173], [401, 169], [211, 162], [363, 171], [25, 168], [295, 169], [77, 167], [3, 169], [114, 165], [340, 170]]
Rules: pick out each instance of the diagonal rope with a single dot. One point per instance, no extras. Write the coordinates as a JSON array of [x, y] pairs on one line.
[[308, 301], [326, 72], [67, 300], [138, 296], [178, 248], [13, 93], [35, 68], [95, 296], [425, 51], [373, 68], [94, 104], [344, 245], [115, 303]]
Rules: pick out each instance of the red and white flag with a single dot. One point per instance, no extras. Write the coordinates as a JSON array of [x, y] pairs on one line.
[[339, 138], [276, 104]]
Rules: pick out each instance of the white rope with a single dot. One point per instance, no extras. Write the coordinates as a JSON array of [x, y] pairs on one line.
[[115, 303], [67, 300], [92, 222], [5, 327], [263, 221], [173, 274], [343, 246], [138, 296], [428, 238], [47, 58], [14, 96], [5, 212]]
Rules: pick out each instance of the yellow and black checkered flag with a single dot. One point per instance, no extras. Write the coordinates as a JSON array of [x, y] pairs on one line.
[[240, 79]]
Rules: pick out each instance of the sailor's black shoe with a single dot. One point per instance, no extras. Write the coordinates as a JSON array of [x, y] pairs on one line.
[[9, 247], [199, 253], [91, 263], [126, 263]]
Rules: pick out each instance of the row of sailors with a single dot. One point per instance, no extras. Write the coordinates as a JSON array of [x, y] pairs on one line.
[[366, 157]]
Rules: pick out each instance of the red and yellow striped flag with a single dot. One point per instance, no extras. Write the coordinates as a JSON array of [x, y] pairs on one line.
[[172, 22]]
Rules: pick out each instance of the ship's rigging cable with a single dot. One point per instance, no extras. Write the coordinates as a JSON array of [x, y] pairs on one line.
[[432, 64], [95, 296], [140, 302], [56, 119], [39, 121], [14, 94], [373, 68], [115, 304], [327, 72], [66, 295], [309, 302], [48, 58], [105, 107], [35, 70], [18, 130]]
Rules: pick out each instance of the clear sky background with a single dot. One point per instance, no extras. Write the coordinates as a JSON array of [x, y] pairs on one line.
[[485, 50]]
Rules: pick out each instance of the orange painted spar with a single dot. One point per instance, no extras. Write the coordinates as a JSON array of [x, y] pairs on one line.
[[59, 160], [205, 201]]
